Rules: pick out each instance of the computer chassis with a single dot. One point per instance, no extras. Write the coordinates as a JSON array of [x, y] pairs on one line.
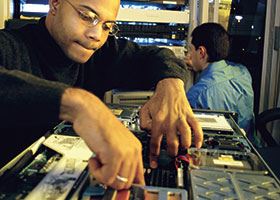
[[226, 167]]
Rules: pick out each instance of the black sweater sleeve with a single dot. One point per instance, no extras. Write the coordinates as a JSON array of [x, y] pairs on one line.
[[146, 65], [27, 99], [131, 66]]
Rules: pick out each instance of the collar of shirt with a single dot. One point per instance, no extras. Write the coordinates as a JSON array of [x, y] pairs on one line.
[[214, 66]]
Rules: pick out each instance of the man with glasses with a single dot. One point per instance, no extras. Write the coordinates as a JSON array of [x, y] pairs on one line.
[[58, 68]]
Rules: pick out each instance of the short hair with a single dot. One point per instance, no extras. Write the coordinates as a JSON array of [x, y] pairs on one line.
[[214, 38]]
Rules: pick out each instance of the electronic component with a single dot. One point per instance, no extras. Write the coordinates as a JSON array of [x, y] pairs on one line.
[[213, 184], [214, 122], [150, 192], [226, 160], [30, 176], [128, 115], [225, 142], [55, 170]]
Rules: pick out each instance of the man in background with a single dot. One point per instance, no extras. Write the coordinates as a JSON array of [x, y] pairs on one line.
[[220, 85]]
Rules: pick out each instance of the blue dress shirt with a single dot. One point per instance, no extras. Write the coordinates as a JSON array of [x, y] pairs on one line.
[[227, 86]]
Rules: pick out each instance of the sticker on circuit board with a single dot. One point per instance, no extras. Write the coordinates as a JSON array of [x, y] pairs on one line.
[[70, 146], [227, 160], [117, 112], [58, 182], [213, 122]]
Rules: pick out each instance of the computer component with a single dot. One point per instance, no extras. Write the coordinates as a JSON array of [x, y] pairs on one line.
[[212, 184], [213, 122], [136, 192], [57, 166], [225, 142], [226, 167], [153, 30], [131, 97], [125, 112], [150, 192], [226, 160]]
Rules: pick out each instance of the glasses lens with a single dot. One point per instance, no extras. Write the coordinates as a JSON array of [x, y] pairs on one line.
[[114, 29], [111, 27], [92, 20]]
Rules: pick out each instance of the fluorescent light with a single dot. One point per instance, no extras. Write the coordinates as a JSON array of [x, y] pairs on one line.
[[35, 8]]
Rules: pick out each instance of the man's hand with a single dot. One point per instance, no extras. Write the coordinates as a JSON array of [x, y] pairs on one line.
[[169, 113], [118, 162]]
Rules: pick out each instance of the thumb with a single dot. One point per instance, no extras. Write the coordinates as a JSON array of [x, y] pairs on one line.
[[99, 171], [94, 165]]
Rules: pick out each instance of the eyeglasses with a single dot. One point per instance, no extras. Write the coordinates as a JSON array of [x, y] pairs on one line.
[[91, 19]]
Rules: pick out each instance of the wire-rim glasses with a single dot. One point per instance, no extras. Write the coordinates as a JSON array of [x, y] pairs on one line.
[[91, 19]]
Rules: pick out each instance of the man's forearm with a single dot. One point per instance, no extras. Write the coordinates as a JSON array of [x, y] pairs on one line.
[[71, 104], [78, 102]]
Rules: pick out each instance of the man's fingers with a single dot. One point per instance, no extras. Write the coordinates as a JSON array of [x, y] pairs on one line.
[[139, 177], [131, 172], [185, 133], [155, 142], [172, 141], [104, 173], [145, 118], [197, 131], [154, 151], [125, 176]]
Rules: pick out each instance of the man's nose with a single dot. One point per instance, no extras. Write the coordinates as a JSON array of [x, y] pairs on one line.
[[95, 32]]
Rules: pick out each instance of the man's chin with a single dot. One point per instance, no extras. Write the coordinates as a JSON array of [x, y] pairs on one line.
[[80, 54], [81, 58]]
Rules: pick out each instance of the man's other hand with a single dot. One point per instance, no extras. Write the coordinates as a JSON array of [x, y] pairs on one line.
[[169, 113]]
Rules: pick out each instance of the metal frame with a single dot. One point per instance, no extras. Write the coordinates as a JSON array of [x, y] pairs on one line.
[[269, 90]]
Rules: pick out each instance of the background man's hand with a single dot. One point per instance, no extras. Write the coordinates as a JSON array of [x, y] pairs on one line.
[[169, 113], [118, 151]]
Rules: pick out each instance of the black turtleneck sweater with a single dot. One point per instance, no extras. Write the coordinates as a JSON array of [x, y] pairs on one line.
[[34, 73]]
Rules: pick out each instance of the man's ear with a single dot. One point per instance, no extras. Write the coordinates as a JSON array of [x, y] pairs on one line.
[[203, 52], [54, 5]]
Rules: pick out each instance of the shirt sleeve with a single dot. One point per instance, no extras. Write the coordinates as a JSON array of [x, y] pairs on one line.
[[197, 97]]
